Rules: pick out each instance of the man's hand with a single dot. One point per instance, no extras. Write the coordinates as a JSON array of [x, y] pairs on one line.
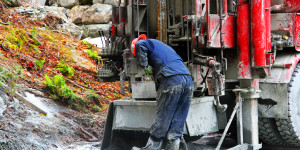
[[148, 70]]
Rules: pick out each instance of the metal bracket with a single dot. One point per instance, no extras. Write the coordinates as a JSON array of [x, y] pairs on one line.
[[248, 93]]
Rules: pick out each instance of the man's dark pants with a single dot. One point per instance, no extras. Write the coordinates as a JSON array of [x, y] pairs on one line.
[[173, 102]]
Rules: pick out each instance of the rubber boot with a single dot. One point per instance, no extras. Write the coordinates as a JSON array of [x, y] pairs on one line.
[[151, 145], [173, 144]]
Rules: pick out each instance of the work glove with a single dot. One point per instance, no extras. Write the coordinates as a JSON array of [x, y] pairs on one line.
[[148, 70]]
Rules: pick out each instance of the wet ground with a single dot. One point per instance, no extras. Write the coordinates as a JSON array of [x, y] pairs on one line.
[[211, 142], [22, 127]]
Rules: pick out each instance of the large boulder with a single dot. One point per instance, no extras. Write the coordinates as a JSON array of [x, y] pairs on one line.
[[68, 3], [75, 14], [92, 30], [12, 3], [110, 2], [97, 14]]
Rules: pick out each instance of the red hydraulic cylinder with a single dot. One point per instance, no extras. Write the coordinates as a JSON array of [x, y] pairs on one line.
[[243, 40], [268, 25], [258, 32]]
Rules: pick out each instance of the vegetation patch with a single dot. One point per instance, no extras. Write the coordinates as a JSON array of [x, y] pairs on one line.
[[9, 78], [91, 52], [65, 69], [39, 64], [58, 89], [96, 108]]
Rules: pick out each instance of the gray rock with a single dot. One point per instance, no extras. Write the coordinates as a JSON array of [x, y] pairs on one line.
[[76, 31], [110, 2], [92, 30], [76, 13], [58, 11], [68, 3], [97, 14], [35, 12], [39, 2], [12, 3], [2, 106]]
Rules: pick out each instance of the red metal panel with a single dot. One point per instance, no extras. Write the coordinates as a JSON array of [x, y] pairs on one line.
[[292, 5], [258, 32], [229, 27], [243, 41], [213, 29]]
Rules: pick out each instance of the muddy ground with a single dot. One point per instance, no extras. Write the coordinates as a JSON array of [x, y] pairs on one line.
[[22, 127]]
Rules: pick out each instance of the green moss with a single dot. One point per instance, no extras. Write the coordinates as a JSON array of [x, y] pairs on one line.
[[14, 40], [87, 44], [92, 54], [49, 37], [34, 34], [96, 108], [35, 48], [65, 69], [39, 64]]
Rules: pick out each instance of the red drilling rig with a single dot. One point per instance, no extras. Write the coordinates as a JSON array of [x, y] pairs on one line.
[[243, 56]]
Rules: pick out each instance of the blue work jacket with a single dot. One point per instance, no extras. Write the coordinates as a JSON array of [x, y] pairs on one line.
[[161, 57]]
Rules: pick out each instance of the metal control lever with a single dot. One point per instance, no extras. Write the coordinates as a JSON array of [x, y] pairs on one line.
[[220, 107], [217, 81]]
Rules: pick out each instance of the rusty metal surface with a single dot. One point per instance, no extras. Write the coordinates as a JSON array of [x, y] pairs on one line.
[[162, 20]]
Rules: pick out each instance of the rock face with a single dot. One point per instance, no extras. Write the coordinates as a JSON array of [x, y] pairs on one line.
[[68, 3], [76, 31], [58, 11], [12, 3], [92, 30], [76, 13], [97, 14], [110, 2], [40, 2]]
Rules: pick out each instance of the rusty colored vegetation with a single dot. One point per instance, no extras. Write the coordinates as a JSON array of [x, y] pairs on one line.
[[38, 47]]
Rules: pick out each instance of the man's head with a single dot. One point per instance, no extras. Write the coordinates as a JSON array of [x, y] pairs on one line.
[[134, 41]]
